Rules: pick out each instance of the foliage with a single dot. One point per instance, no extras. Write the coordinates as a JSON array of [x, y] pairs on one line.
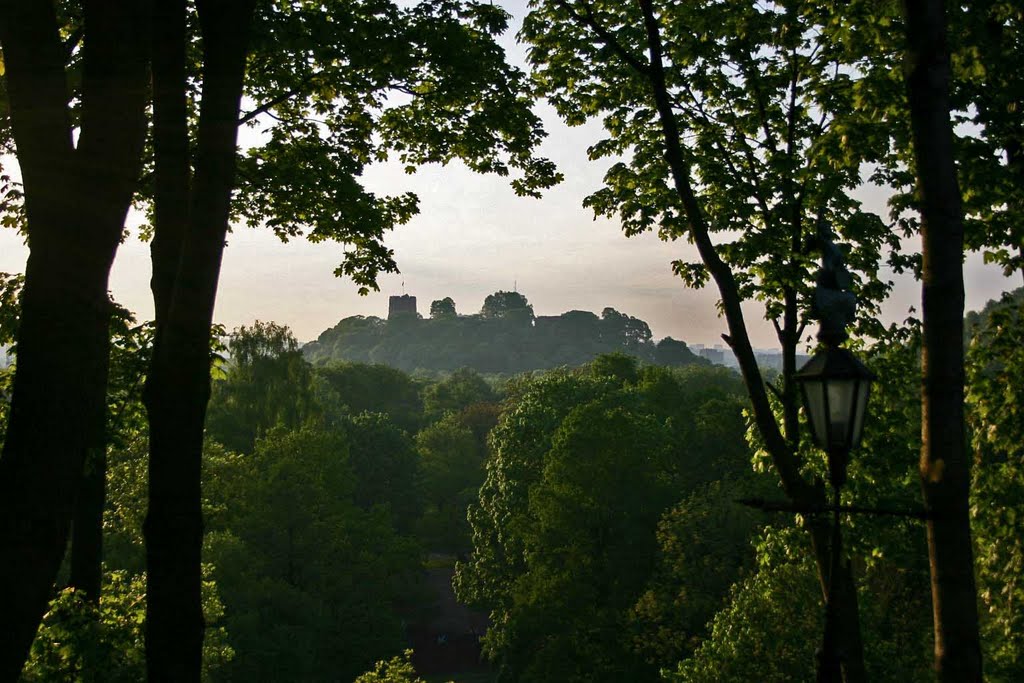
[[510, 305], [764, 106], [398, 669], [302, 536], [82, 642], [534, 409], [358, 388], [995, 401], [131, 347], [766, 633], [624, 329], [337, 86], [267, 384], [984, 42], [704, 548], [443, 308], [10, 297], [617, 366], [385, 465], [584, 465], [451, 464], [455, 393], [10, 292], [311, 582], [79, 641]]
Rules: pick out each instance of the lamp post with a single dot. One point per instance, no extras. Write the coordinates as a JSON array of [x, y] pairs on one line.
[[835, 388]]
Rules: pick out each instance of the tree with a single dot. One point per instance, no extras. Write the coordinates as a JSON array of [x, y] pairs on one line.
[[395, 670], [705, 549], [618, 366], [455, 393], [384, 463], [737, 125], [565, 543], [621, 329], [442, 308], [995, 359], [511, 306], [324, 105], [131, 346], [267, 384], [588, 549], [671, 352], [363, 388], [945, 467], [748, 634], [451, 465], [77, 189], [190, 218], [763, 634], [310, 581], [534, 409]]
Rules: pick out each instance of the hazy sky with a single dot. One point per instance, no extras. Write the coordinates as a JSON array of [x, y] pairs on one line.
[[473, 236]]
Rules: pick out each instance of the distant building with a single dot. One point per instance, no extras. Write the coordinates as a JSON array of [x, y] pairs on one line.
[[399, 305], [716, 356]]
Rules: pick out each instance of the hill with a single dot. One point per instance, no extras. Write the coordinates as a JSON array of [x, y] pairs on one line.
[[505, 337]]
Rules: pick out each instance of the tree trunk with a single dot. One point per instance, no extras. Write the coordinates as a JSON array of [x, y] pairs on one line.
[[178, 386], [944, 465], [87, 527], [58, 394], [783, 458], [76, 201]]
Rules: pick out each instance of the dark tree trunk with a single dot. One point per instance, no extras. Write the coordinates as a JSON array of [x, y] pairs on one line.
[[172, 157], [944, 465], [178, 386], [783, 457], [75, 201], [87, 527], [58, 394]]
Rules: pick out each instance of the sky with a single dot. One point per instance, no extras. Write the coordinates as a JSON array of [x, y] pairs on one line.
[[473, 236]]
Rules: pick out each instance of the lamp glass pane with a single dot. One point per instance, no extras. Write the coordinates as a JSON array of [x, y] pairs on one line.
[[863, 391], [814, 401], [840, 410]]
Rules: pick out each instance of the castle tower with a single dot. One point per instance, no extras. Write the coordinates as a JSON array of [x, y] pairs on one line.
[[399, 305]]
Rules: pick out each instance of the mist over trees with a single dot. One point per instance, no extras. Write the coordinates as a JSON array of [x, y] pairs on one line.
[[505, 337]]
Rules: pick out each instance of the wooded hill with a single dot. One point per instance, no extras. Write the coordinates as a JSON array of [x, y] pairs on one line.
[[504, 337]]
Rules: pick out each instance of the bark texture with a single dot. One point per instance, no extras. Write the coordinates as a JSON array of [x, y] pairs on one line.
[[944, 464], [186, 266], [76, 200]]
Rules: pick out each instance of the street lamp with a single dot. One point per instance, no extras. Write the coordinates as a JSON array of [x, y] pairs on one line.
[[835, 387]]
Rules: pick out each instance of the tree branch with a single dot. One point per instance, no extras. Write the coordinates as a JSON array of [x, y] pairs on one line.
[[782, 456], [273, 102], [605, 36]]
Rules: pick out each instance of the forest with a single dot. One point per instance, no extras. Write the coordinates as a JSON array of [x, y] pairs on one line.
[[505, 338], [180, 502], [591, 512]]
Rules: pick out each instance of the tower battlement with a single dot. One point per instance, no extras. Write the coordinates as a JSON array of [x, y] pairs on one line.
[[398, 305]]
